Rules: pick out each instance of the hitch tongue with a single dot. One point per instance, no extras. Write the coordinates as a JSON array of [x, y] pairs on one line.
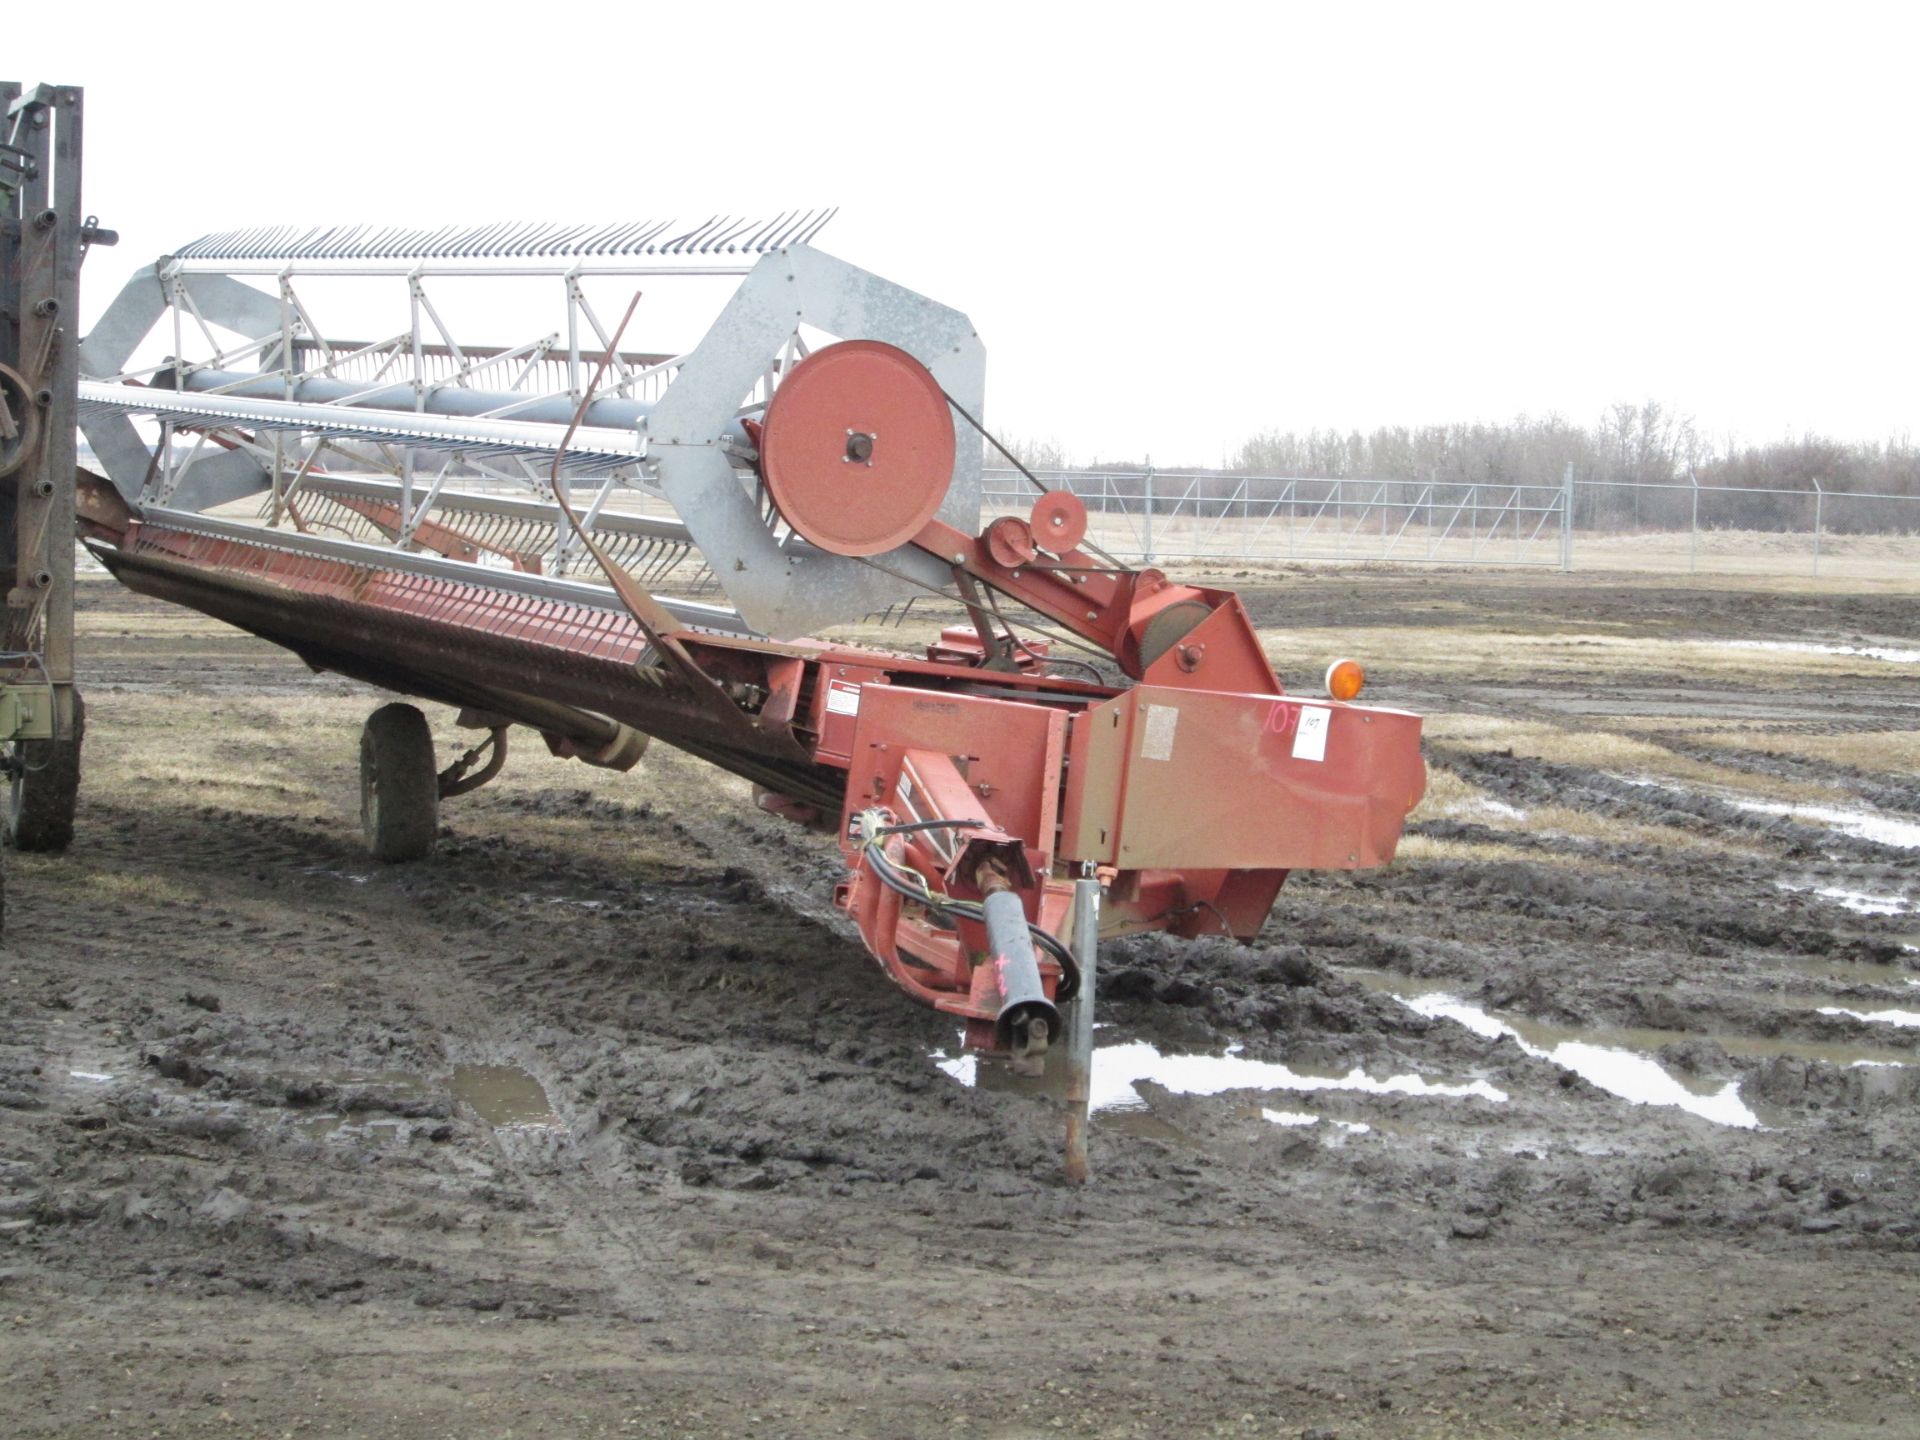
[[1027, 1020]]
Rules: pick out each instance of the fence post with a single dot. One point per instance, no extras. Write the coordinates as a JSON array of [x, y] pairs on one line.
[[1819, 520], [1146, 521], [1566, 519], [1693, 528]]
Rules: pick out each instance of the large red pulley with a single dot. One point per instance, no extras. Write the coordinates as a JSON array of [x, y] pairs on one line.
[[857, 447]]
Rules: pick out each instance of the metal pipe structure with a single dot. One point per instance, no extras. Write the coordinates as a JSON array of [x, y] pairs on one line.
[[605, 413], [674, 563], [1027, 1019], [1079, 1086]]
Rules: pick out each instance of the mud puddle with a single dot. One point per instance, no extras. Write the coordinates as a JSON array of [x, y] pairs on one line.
[[1861, 824], [330, 1124], [1621, 1061], [1909, 1019], [1853, 821], [1636, 1078], [1121, 1067], [1302, 1120], [1861, 902], [1802, 647], [577, 902], [505, 1096]]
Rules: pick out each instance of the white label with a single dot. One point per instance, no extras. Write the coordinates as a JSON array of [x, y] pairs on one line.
[[1156, 740], [842, 698], [1310, 735]]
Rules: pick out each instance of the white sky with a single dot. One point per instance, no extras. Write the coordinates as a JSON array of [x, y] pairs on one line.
[[1173, 225]]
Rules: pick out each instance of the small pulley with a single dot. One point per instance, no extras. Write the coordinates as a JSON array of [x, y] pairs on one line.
[[1057, 523], [857, 448]]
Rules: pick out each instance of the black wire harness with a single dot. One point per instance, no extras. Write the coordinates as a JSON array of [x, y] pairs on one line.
[[911, 884]]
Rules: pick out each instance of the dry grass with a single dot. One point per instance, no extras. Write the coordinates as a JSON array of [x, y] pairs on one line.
[[1432, 847], [1890, 751], [1451, 797], [1615, 754], [1843, 558]]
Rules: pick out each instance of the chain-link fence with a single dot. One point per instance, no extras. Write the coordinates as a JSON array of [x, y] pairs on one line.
[[1147, 516]]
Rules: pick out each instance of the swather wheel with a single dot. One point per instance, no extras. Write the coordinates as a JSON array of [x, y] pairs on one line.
[[399, 790], [46, 783]]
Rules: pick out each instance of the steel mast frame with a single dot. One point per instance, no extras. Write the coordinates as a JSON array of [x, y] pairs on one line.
[[40, 255]]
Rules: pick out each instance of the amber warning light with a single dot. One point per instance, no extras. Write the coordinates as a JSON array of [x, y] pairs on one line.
[[1344, 679]]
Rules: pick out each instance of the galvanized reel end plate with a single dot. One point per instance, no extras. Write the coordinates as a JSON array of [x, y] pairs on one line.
[[857, 447]]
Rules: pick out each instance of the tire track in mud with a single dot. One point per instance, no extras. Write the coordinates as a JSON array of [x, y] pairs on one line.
[[1899, 797], [1533, 782], [230, 863], [572, 1011], [1710, 905]]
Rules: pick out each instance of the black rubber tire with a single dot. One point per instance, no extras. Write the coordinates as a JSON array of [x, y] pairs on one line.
[[399, 784], [46, 785]]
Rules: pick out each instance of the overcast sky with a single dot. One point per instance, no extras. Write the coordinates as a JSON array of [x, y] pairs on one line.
[[1173, 225]]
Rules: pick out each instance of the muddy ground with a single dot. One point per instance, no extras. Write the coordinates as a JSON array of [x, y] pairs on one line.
[[599, 1123]]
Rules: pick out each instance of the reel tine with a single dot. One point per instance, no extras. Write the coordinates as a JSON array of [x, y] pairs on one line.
[[637, 245], [592, 244], [676, 245], [471, 243], [781, 241], [712, 234], [818, 225], [725, 242], [504, 240], [717, 234], [565, 243], [616, 241], [516, 243], [754, 242], [623, 237], [410, 244]]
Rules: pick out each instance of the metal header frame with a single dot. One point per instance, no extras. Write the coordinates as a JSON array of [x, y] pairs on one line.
[[254, 398]]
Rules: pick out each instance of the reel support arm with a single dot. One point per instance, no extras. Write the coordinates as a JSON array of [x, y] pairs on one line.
[[1159, 630]]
